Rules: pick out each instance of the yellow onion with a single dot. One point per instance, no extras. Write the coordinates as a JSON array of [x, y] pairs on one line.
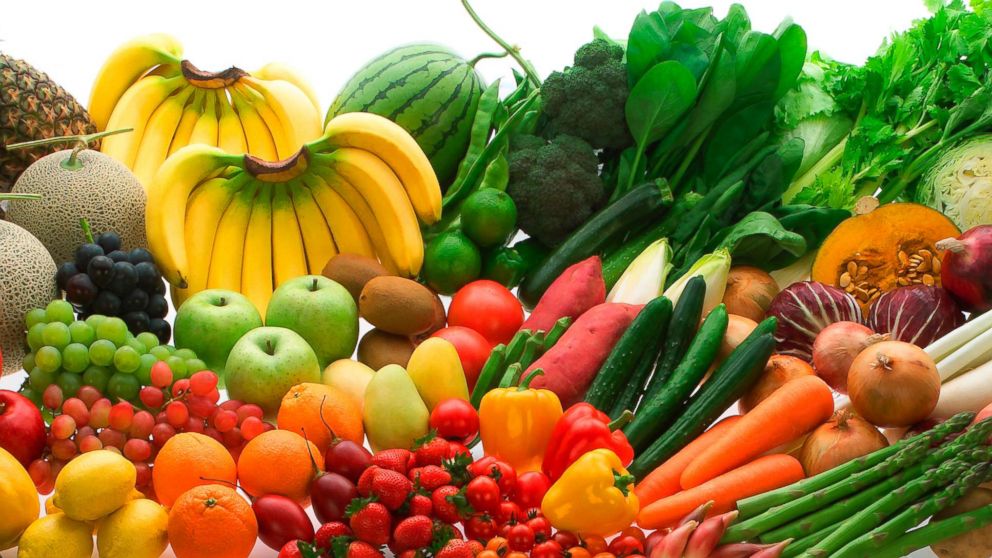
[[844, 437]]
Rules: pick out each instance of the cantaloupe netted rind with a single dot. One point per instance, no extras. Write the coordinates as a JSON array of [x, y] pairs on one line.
[[27, 280], [101, 190]]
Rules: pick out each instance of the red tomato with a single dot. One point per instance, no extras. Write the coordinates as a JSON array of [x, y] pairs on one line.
[[594, 544], [566, 539], [480, 527], [510, 512], [489, 308], [531, 487], [482, 494], [625, 545], [473, 349], [455, 419], [546, 549], [541, 527], [520, 537]]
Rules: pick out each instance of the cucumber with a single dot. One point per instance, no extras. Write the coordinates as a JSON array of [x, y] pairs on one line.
[[616, 371], [685, 321], [601, 231], [734, 377], [659, 411], [631, 394]]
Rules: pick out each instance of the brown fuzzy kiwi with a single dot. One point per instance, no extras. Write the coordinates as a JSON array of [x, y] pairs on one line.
[[353, 271], [379, 348], [397, 305], [440, 320]]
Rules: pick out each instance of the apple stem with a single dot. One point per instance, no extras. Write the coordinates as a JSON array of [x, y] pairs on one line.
[[313, 286], [269, 348], [223, 301]]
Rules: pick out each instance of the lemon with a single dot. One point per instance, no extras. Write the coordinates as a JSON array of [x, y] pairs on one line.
[[138, 530], [93, 485], [56, 535], [18, 500]]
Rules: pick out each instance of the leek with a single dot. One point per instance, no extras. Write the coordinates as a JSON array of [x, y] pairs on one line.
[[644, 279]]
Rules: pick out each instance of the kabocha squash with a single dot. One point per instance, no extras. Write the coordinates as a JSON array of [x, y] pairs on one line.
[[879, 250]]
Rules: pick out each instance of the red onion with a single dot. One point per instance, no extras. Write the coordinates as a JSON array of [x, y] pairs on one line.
[[967, 268], [917, 314], [804, 309]]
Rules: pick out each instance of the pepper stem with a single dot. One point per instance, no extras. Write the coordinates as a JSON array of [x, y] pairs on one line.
[[530, 378], [623, 420], [87, 231], [623, 482], [511, 50]]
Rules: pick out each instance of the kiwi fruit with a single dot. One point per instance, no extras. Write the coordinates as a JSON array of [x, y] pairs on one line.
[[440, 320], [353, 271], [397, 305], [379, 348]]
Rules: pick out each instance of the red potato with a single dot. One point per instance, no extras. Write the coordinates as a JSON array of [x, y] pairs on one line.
[[570, 366], [576, 290]]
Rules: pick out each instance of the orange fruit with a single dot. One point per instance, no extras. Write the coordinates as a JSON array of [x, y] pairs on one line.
[[212, 521], [302, 407], [279, 462], [187, 460]]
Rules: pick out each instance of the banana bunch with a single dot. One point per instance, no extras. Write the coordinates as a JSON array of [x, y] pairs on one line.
[[239, 222], [169, 103]]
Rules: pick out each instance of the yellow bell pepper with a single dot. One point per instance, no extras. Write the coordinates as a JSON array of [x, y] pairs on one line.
[[594, 496], [516, 423]]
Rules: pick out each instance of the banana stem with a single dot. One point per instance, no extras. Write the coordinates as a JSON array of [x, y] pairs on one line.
[[511, 50]]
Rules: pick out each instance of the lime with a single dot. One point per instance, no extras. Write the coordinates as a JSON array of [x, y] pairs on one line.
[[450, 261], [489, 217]]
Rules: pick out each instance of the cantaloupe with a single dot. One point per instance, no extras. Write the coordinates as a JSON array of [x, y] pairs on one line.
[[97, 188], [27, 280]]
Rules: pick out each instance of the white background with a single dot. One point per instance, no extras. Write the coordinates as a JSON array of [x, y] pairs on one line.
[[327, 41]]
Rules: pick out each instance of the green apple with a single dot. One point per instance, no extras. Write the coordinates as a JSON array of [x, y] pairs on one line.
[[266, 362], [319, 309], [211, 322]]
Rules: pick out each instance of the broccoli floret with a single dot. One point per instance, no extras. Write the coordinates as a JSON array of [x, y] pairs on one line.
[[554, 185], [587, 100]]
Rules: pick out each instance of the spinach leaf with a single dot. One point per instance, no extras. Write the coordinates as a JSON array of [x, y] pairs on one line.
[[759, 239], [812, 222], [734, 134], [769, 180], [649, 42], [792, 56]]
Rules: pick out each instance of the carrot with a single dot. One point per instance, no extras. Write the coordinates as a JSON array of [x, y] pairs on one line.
[[664, 480], [759, 476], [789, 412]]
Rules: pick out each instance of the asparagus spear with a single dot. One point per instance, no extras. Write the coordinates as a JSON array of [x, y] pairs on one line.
[[915, 514], [751, 507], [876, 513], [936, 531], [809, 541]]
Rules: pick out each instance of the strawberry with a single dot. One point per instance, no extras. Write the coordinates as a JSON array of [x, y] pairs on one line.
[[370, 521], [327, 532], [361, 549], [298, 549], [413, 532], [458, 466], [430, 477], [365, 481], [393, 459], [391, 488], [431, 450], [420, 505], [407, 554], [456, 549], [450, 505]]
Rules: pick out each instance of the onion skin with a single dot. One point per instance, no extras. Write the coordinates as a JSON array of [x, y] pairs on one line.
[[893, 384], [841, 439], [966, 269], [738, 328], [779, 370], [836, 347], [750, 292], [803, 309]]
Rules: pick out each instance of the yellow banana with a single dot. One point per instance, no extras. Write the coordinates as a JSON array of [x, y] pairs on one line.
[[278, 70], [227, 255], [283, 142], [260, 141], [168, 194], [289, 258], [382, 249], [159, 132], [349, 235], [385, 195], [133, 111], [205, 131], [256, 265], [191, 114], [125, 67], [317, 238], [231, 135], [391, 143], [297, 114]]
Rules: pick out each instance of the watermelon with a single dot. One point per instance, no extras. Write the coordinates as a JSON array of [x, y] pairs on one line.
[[426, 88]]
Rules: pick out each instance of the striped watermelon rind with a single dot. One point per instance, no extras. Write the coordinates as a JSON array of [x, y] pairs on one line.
[[426, 88]]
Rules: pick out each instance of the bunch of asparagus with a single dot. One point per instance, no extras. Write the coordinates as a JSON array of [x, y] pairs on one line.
[[867, 507]]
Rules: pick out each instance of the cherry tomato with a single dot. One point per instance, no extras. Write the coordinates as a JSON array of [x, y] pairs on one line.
[[578, 552], [489, 308], [520, 538], [487, 554], [481, 468], [633, 532], [546, 549], [496, 543], [515, 554], [455, 419], [605, 555], [506, 477], [530, 489], [594, 544], [455, 449], [541, 527], [625, 545], [510, 511], [482, 494], [480, 527], [473, 349], [566, 539]]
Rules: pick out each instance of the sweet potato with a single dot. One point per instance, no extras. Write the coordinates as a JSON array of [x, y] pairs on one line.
[[577, 289], [572, 363]]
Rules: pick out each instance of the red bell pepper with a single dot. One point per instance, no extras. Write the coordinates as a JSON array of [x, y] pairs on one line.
[[583, 428]]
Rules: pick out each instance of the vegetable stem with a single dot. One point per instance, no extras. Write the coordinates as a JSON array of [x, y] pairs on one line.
[[513, 51]]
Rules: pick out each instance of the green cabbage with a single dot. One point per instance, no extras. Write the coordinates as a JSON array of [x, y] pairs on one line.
[[959, 183]]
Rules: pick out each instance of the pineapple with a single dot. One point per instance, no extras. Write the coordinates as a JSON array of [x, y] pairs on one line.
[[33, 107]]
